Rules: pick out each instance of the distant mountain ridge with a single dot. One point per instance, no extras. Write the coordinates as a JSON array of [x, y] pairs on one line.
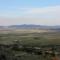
[[31, 26]]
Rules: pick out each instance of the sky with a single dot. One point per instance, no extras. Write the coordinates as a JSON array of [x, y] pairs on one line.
[[40, 12]]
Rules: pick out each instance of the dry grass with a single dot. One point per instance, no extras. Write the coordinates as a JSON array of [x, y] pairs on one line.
[[29, 31], [24, 30], [55, 58]]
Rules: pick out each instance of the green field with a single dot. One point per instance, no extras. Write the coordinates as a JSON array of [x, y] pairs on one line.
[[28, 39], [34, 38]]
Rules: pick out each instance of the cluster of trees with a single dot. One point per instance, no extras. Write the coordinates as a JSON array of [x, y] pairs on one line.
[[8, 52]]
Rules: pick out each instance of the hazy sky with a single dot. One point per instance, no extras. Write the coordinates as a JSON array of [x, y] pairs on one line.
[[43, 12]]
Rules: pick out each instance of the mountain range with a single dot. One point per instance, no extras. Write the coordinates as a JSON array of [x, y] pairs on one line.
[[31, 26]]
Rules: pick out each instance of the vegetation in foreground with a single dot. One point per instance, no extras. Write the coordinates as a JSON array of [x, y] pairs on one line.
[[30, 46]]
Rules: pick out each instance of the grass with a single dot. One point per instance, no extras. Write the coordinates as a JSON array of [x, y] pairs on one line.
[[29, 38]]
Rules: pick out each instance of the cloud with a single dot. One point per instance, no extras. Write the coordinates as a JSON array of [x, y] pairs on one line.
[[44, 16], [54, 10], [50, 11]]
